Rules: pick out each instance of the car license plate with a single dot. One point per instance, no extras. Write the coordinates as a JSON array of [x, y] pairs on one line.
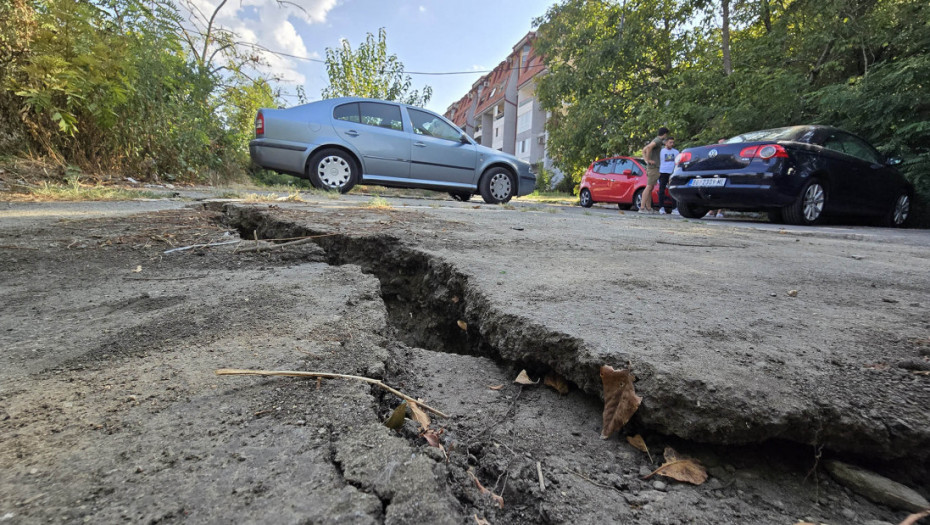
[[708, 182]]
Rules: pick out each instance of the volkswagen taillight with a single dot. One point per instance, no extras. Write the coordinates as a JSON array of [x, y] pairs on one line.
[[765, 152]]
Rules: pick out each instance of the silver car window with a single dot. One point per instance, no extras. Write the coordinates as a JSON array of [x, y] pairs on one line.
[[347, 112], [428, 124], [381, 115]]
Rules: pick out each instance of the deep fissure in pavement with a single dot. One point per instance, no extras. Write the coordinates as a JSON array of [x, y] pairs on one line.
[[432, 305]]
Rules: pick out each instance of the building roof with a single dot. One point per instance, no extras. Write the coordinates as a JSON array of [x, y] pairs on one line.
[[493, 85]]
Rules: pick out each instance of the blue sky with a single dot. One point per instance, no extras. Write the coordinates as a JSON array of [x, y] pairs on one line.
[[426, 35]]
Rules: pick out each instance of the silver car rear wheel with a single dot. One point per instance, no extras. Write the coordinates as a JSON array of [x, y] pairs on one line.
[[332, 169]]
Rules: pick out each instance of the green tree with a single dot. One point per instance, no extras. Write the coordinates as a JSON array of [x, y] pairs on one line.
[[120, 85], [713, 68], [371, 72]]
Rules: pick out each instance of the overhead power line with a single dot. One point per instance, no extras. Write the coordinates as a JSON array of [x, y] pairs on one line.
[[321, 61]]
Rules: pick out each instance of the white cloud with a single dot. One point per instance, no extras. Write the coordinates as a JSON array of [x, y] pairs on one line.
[[268, 23], [422, 9]]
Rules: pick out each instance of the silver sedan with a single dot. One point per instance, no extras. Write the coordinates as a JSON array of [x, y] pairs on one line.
[[338, 143]]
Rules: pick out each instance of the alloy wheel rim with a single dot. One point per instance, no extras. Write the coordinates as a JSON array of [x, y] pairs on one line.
[[813, 202], [334, 171], [585, 197], [902, 208], [500, 186]]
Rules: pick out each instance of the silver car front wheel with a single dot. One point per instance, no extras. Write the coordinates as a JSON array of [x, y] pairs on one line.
[[497, 186]]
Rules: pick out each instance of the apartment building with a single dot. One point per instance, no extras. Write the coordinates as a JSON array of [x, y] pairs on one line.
[[501, 110]]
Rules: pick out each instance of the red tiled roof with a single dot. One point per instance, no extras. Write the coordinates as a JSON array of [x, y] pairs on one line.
[[496, 81], [493, 91]]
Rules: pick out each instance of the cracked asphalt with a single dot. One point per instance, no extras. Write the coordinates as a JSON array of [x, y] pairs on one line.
[[757, 349]]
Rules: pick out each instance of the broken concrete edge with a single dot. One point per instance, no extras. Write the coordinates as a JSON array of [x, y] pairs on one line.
[[519, 341]]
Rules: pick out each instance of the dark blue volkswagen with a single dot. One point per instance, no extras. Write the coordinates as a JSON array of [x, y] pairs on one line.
[[797, 174]]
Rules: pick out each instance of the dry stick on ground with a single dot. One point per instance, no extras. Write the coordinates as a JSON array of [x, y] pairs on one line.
[[327, 375], [302, 240]]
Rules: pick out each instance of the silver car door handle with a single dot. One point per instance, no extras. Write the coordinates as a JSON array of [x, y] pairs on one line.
[[352, 133], [419, 144]]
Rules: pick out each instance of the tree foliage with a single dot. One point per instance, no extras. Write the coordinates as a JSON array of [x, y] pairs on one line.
[[113, 85], [370, 72], [619, 70]]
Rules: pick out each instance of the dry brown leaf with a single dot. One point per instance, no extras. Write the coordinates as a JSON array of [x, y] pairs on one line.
[[455, 299], [481, 521], [419, 415], [434, 439], [138, 269], [397, 416], [681, 469], [914, 518], [462, 324], [497, 499], [496, 387], [640, 444], [524, 379], [557, 382], [922, 372], [620, 399], [670, 455]]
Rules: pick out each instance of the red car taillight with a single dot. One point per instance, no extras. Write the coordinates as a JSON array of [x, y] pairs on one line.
[[259, 125], [766, 152], [683, 157]]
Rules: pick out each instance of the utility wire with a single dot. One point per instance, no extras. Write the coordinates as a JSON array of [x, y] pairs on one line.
[[321, 61]]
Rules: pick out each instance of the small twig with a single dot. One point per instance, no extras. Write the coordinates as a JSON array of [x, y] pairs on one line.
[[327, 375], [692, 245], [542, 482], [589, 480], [300, 240], [164, 278], [207, 245]]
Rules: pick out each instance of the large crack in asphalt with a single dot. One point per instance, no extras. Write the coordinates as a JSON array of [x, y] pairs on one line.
[[434, 305]]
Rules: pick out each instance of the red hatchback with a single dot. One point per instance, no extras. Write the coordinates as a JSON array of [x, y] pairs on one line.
[[620, 180]]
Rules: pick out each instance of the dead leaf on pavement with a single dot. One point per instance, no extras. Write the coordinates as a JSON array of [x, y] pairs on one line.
[[397, 417], [419, 415], [620, 399], [524, 379], [481, 521], [455, 299], [496, 387], [557, 382], [640, 444], [138, 269], [681, 469], [497, 499], [462, 324], [434, 439]]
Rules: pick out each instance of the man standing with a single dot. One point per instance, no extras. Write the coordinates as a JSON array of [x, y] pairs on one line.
[[651, 154], [666, 167]]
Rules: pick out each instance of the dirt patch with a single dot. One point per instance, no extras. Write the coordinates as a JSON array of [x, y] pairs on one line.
[[111, 410]]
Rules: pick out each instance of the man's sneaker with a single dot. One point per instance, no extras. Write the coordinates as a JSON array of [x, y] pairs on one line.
[[661, 211], [675, 212], [719, 214]]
